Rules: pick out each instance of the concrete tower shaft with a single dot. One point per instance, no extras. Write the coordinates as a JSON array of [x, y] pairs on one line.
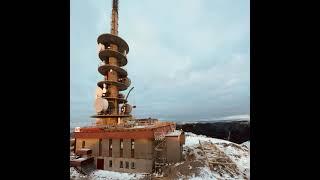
[[113, 55]]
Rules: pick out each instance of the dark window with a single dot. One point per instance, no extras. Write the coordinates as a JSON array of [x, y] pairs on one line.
[[121, 164], [132, 165], [83, 144], [127, 165], [100, 147], [110, 163]]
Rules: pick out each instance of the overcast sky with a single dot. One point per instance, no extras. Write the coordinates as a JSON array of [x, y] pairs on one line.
[[188, 59]]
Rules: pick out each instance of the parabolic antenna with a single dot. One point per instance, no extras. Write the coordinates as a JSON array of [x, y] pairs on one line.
[[127, 81], [104, 90], [98, 92], [100, 104], [100, 47]]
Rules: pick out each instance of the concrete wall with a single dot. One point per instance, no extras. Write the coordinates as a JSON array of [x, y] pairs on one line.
[[115, 147], [141, 165], [174, 149], [143, 154], [143, 149], [105, 147], [127, 148]]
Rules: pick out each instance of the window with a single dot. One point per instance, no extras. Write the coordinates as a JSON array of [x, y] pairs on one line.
[[110, 147], [83, 144], [121, 164], [110, 163], [127, 165], [121, 147], [132, 144], [100, 147], [132, 165], [132, 148]]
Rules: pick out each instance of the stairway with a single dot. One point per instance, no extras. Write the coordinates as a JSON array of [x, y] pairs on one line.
[[160, 155]]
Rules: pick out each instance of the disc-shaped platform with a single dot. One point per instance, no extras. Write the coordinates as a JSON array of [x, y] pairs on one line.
[[112, 39], [103, 69], [110, 115], [120, 100], [121, 86], [105, 54]]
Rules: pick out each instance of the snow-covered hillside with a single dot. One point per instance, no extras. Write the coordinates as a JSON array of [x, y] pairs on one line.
[[205, 158], [211, 158]]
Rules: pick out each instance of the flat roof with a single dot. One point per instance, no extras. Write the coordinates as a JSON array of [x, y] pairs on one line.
[[149, 131], [174, 133]]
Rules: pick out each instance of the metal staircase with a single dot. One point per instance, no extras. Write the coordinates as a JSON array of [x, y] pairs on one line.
[[160, 155]]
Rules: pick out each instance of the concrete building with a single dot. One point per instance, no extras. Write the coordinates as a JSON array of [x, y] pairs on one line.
[[117, 141]]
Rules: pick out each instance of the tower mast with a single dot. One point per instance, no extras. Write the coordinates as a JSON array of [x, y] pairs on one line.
[[113, 54], [114, 17]]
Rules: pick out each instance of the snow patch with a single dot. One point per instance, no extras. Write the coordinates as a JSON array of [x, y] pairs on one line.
[[246, 144], [111, 175], [205, 174], [193, 139]]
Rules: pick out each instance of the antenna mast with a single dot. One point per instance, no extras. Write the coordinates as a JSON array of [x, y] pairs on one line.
[[114, 17], [129, 93]]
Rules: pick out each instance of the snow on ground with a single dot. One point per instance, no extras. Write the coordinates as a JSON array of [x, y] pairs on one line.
[[193, 139], [246, 144], [73, 172], [239, 154], [105, 175], [205, 174], [101, 174]]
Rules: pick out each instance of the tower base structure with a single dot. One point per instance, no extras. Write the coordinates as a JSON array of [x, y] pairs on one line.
[[142, 147]]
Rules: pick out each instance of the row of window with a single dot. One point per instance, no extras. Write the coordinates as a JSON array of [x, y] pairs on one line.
[[110, 147], [121, 164], [121, 147]]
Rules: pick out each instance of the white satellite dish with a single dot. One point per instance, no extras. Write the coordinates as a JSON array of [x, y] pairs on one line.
[[99, 92], [127, 81], [101, 104], [104, 90], [100, 47], [77, 129]]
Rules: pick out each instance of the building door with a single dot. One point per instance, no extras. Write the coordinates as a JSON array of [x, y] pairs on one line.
[[100, 163]]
